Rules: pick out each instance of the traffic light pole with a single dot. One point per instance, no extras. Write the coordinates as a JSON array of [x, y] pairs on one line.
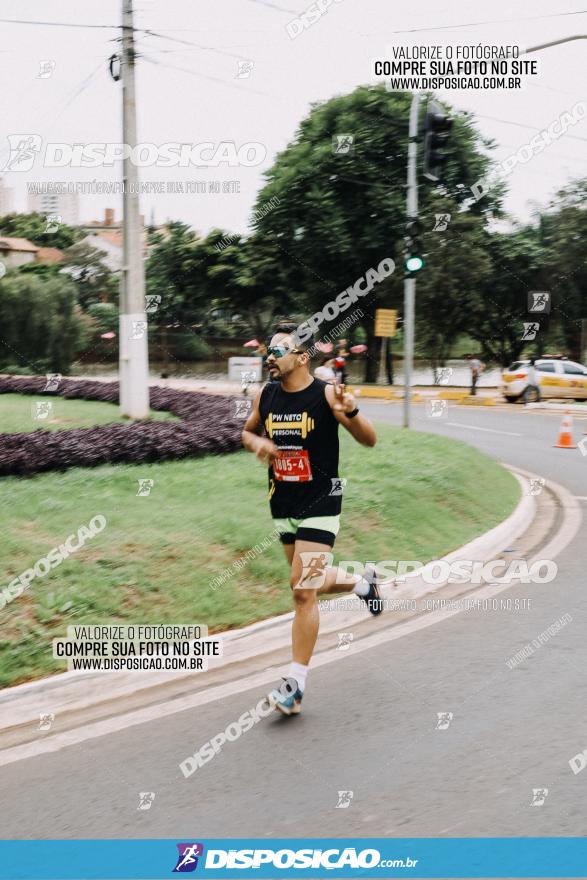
[[134, 364], [410, 280]]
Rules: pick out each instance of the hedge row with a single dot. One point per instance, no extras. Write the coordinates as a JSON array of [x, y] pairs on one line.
[[208, 425]]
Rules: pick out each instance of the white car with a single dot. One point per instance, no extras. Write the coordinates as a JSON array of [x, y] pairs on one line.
[[556, 377]]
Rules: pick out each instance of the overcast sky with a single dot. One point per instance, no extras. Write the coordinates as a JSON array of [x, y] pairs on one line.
[[206, 101]]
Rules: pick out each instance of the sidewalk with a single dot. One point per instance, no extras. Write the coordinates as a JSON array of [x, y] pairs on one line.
[[420, 393]]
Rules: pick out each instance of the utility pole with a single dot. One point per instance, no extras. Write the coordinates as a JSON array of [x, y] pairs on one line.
[[410, 281], [134, 363]]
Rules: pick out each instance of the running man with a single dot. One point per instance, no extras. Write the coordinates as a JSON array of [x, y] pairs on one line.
[[299, 416]]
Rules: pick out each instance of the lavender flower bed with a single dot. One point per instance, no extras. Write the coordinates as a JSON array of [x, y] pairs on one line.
[[208, 426]]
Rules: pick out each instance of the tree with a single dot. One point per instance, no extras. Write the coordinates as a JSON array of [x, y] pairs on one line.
[[41, 326], [563, 232], [94, 281], [247, 280], [457, 264], [517, 266], [177, 271], [105, 318], [34, 228], [170, 273], [336, 215]]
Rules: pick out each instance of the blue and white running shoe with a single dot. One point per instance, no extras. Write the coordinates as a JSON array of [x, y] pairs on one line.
[[287, 697]]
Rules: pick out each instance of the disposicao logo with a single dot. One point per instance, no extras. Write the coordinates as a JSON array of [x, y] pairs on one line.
[[187, 859]]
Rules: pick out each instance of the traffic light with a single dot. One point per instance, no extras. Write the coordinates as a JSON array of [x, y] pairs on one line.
[[437, 128], [414, 261]]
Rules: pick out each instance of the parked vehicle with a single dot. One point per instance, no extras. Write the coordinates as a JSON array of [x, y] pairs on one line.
[[556, 377]]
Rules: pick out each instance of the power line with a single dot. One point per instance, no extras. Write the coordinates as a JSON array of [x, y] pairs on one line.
[[81, 88], [559, 91], [208, 30], [195, 45], [59, 23], [274, 6], [569, 158], [54, 117], [123, 27], [189, 51], [522, 125], [454, 27], [207, 76]]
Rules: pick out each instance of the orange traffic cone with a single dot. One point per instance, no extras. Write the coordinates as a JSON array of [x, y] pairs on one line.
[[565, 437]]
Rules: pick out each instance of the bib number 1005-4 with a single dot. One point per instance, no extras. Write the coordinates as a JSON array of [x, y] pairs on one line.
[[292, 465]]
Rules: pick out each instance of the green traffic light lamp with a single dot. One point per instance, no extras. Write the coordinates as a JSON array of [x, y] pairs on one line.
[[414, 263]]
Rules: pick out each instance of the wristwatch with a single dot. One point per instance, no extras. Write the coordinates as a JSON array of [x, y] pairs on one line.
[[352, 413]]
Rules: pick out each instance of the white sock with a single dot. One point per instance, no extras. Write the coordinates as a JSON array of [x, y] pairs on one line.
[[299, 672], [361, 587]]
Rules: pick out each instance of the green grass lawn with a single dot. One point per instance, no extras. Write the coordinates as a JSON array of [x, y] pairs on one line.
[[414, 496], [18, 413]]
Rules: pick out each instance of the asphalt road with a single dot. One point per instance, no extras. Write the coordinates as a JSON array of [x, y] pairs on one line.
[[369, 723]]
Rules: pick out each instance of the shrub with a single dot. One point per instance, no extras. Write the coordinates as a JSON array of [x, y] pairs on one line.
[[208, 426], [40, 324], [15, 370], [189, 347]]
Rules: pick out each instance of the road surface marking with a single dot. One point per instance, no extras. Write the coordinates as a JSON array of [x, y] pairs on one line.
[[489, 430]]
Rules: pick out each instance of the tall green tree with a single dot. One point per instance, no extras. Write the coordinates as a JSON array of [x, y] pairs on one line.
[[94, 281], [563, 231], [457, 264], [178, 271], [248, 279], [338, 214], [501, 307]]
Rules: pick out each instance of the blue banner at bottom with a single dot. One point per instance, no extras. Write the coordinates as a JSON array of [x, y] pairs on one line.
[[306, 857]]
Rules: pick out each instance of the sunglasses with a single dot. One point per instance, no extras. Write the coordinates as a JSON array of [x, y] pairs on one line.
[[280, 351]]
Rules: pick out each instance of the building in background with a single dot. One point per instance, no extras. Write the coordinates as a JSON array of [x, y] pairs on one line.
[[107, 235], [16, 252], [6, 199], [65, 206], [50, 255], [110, 246]]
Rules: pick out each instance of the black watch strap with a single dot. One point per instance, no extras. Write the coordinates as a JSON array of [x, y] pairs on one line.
[[352, 413]]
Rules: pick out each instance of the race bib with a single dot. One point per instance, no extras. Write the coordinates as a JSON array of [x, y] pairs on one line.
[[293, 465]]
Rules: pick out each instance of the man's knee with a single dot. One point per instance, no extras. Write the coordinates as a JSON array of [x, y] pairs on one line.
[[303, 598]]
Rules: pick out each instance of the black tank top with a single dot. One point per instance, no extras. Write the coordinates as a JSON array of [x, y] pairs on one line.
[[301, 423]]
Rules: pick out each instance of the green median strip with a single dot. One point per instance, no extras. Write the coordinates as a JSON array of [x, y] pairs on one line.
[[29, 412], [414, 496]]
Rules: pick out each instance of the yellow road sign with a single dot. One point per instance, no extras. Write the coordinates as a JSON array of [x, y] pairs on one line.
[[385, 322]]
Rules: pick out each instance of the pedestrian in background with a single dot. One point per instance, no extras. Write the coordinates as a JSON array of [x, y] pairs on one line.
[[339, 364], [532, 390], [477, 368], [325, 371], [341, 348]]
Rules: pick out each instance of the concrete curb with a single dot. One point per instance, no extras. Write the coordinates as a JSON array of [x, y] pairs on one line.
[[422, 393], [74, 691]]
